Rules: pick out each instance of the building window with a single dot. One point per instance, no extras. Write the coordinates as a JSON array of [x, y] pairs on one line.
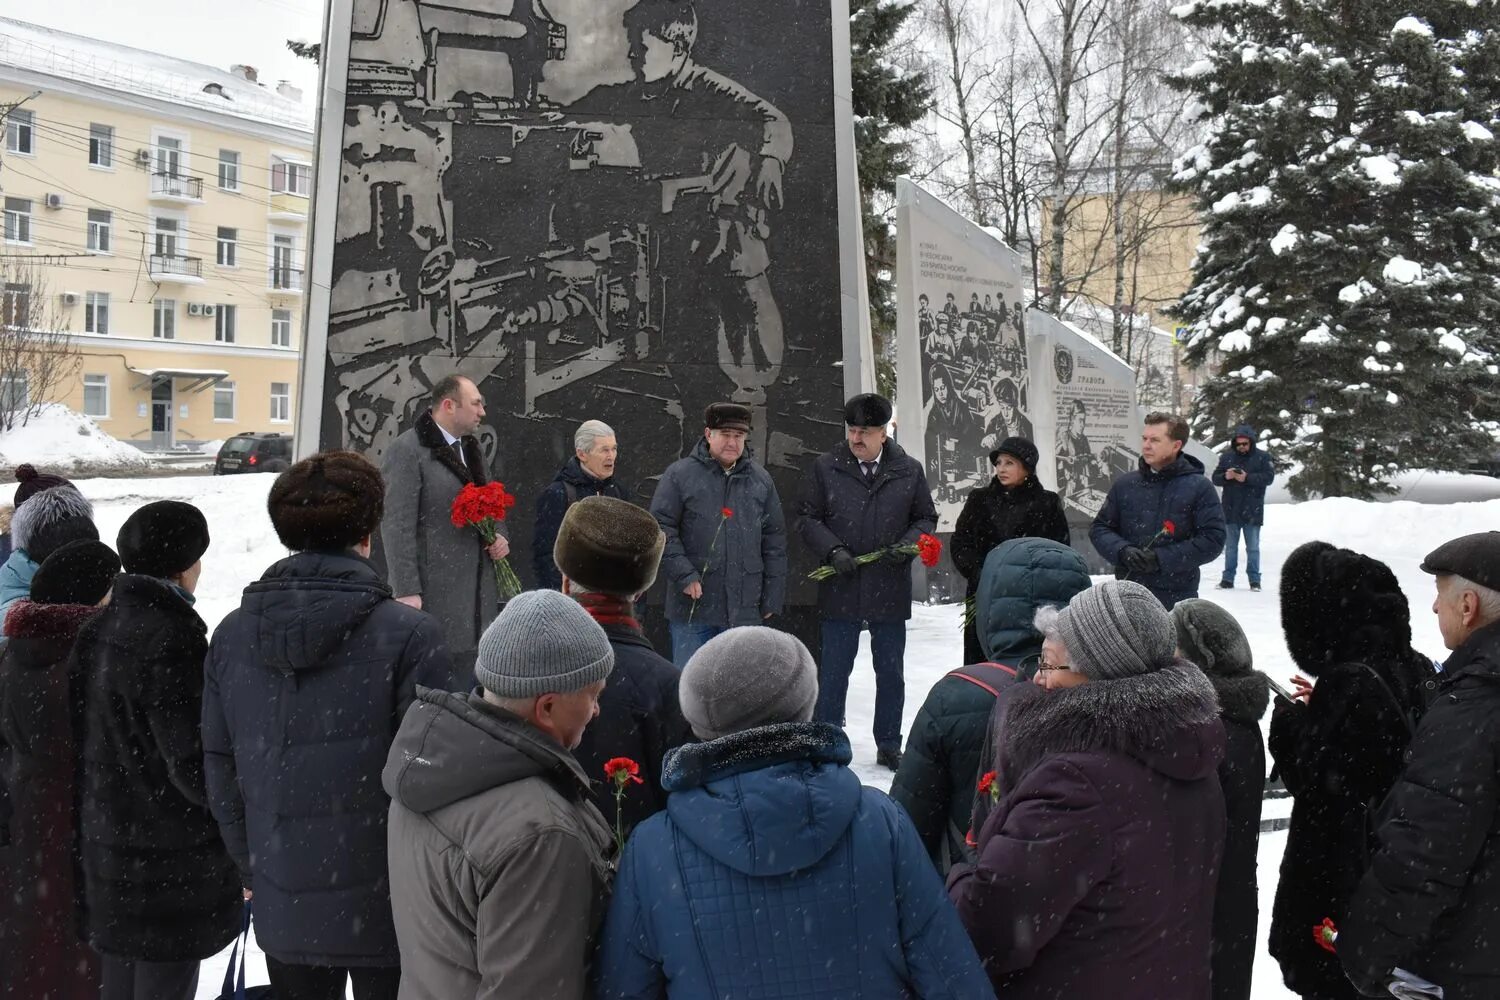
[[229, 170], [168, 156], [289, 178], [101, 145], [96, 395], [99, 226], [20, 132], [281, 402], [15, 307], [96, 312], [228, 242], [18, 220], [224, 317], [224, 401], [15, 390], [281, 328], [166, 237], [164, 320]]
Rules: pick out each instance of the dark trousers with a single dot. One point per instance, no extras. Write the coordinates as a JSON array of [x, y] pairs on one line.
[[888, 649], [127, 979], [321, 982]]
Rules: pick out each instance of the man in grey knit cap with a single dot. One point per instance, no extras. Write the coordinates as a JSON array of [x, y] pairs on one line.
[[498, 858]]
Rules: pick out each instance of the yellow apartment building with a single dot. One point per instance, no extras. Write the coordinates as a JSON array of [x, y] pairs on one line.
[[162, 207]]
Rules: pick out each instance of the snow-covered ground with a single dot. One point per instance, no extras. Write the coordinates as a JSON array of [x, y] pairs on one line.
[[57, 438], [1399, 533]]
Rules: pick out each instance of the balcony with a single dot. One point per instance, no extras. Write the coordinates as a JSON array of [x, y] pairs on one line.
[[285, 207], [172, 268], [176, 188], [287, 280]]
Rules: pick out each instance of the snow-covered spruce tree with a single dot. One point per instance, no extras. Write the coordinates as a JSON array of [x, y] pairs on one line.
[[1348, 276]]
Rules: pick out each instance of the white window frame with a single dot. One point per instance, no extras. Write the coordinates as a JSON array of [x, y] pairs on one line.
[[102, 148], [164, 310], [285, 399], [15, 290], [179, 234], [276, 340], [226, 323], [219, 387], [234, 167], [23, 220], [232, 259], [92, 303], [97, 228], [6, 380], [291, 166], [101, 382], [20, 122], [185, 150]]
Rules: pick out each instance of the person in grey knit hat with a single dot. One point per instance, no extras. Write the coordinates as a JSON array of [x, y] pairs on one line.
[[721, 696], [1116, 630], [543, 643]]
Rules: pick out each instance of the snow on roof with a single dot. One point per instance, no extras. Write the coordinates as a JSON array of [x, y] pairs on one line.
[[138, 72]]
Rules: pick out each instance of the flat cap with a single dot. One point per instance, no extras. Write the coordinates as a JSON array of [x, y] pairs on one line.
[[1474, 557], [727, 417]]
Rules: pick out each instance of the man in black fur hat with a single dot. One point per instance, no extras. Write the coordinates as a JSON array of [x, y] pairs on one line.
[[865, 495]]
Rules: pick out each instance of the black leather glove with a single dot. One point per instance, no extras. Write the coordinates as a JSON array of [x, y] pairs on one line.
[[896, 558], [842, 561], [1139, 560]]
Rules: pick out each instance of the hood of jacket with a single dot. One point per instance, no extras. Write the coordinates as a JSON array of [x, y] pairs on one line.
[[573, 473], [47, 508], [767, 801], [1167, 719], [16, 574], [305, 607], [1340, 606], [1243, 431], [28, 620], [1185, 465], [452, 747], [1020, 577]]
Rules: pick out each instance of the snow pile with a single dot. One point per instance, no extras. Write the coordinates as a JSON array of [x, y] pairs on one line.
[[1381, 169], [1414, 25], [1284, 240], [58, 439], [1400, 271]]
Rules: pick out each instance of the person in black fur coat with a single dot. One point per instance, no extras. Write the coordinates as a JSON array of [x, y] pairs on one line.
[[1340, 750]]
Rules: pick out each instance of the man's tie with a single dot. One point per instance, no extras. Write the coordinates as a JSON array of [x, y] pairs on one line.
[[869, 468], [458, 448]]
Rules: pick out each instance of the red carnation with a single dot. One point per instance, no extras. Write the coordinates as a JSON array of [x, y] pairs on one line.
[[1325, 934], [483, 508], [1168, 528], [621, 770], [726, 512], [989, 785], [929, 550]]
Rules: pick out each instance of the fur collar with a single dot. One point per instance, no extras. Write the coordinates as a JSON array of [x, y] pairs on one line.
[[430, 436], [1244, 697], [29, 620], [697, 764], [1146, 717]]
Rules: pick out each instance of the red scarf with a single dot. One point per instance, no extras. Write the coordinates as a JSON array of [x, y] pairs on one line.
[[609, 609]]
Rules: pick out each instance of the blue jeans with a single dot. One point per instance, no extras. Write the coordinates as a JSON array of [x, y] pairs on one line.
[[1232, 532], [888, 648], [687, 637]]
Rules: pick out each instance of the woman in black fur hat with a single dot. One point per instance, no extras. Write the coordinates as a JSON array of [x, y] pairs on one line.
[[1347, 624]]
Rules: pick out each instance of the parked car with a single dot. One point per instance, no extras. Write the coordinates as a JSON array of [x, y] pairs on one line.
[[254, 453]]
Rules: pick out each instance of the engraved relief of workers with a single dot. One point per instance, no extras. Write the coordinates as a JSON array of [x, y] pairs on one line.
[[1078, 467], [738, 147], [926, 322], [1003, 417]]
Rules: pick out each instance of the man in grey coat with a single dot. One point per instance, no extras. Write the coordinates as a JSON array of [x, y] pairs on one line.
[[433, 566], [498, 859], [725, 558]]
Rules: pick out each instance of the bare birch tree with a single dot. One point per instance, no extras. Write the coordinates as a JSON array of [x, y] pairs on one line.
[[38, 357]]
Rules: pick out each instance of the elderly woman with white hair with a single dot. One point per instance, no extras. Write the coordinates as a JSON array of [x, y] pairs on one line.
[[589, 473], [1097, 865]]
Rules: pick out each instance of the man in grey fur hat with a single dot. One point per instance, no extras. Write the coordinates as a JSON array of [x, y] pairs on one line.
[[498, 857]]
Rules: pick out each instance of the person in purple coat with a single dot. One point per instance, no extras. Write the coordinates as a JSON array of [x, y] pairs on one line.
[[1097, 867]]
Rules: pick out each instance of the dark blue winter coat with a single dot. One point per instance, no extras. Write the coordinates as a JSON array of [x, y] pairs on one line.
[[774, 874], [552, 504], [744, 554], [1245, 503], [839, 508], [305, 686], [1140, 503]]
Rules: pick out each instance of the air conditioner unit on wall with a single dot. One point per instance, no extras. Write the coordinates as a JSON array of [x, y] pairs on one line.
[[194, 309], [54, 201], [143, 156], [69, 298], [208, 310]]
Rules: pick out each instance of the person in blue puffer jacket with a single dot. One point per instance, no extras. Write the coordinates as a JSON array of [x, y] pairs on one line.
[[773, 872], [1243, 474], [1163, 521]]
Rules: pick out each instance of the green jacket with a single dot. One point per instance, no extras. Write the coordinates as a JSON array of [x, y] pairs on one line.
[[940, 768]]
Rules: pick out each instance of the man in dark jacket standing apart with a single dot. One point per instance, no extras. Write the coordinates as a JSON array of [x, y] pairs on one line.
[[609, 551], [1161, 522], [725, 557], [497, 854], [1430, 901], [589, 473], [432, 565], [1243, 474], [864, 495], [306, 683], [160, 891]]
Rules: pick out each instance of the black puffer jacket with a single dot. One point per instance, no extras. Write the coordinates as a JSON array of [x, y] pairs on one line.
[[570, 485], [1431, 899], [306, 685], [1347, 624], [158, 883], [1242, 776]]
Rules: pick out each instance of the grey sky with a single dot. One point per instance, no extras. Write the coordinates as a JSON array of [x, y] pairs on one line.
[[242, 31]]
